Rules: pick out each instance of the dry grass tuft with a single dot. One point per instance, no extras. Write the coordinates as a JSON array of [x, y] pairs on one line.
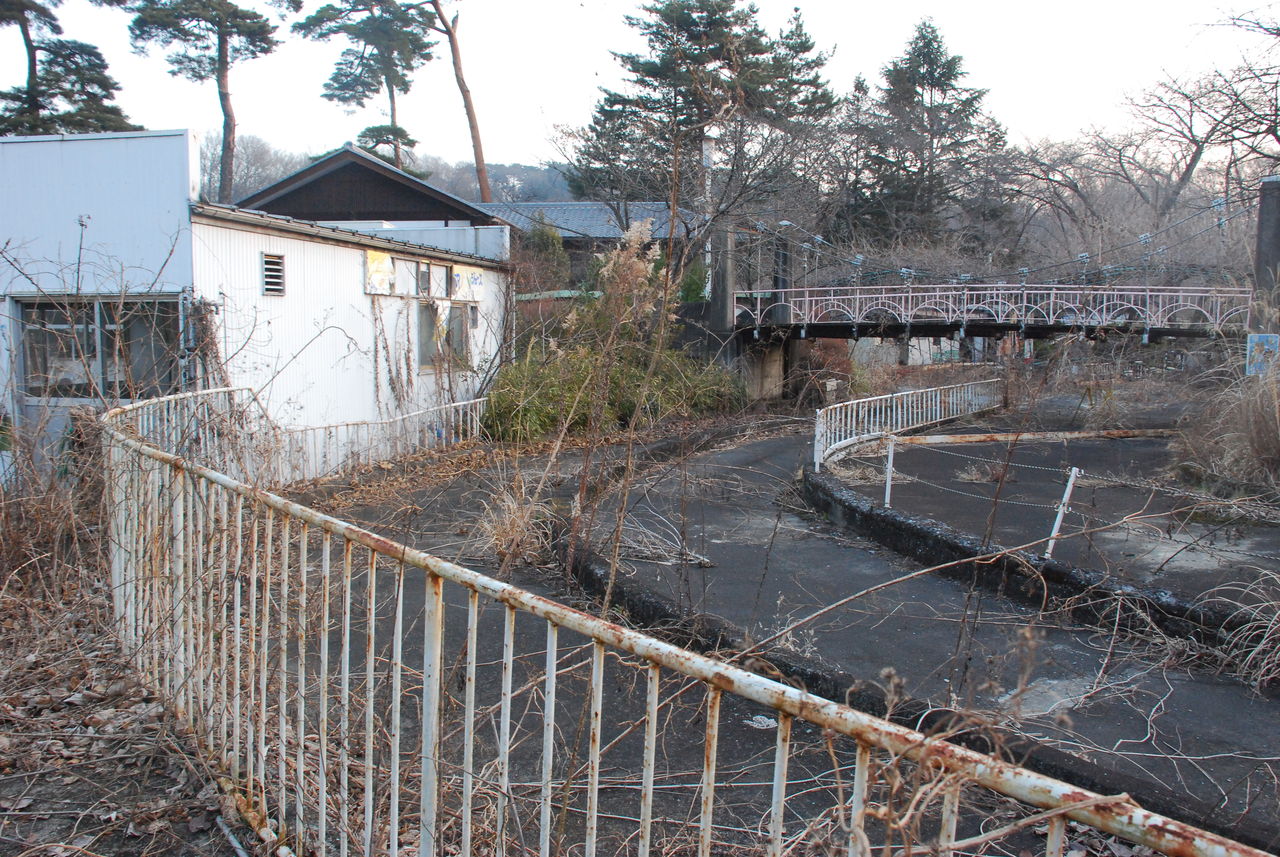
[[515, 525], [1236, 435], [984, 471], [1253, 649]]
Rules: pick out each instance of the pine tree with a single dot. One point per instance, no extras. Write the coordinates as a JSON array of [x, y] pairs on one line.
[[389, 41], [710, 72], [207, 37], [929, 139], [67, 86], [73, 89]]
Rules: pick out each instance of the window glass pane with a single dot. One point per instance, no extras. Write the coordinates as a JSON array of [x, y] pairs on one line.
[[59, 350], [441, 281], [139, 343], [140, 349], [458, 323], [406, 280], [426, 334]]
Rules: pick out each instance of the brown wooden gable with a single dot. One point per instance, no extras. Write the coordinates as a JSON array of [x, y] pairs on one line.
[[350, 185]]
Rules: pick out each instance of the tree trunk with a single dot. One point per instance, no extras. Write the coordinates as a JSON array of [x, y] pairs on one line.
[[31, 99], [395, 126], [227, 165], [450, 30]]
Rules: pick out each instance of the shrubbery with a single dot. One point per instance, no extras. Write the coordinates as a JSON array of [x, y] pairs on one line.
[[541, 393]]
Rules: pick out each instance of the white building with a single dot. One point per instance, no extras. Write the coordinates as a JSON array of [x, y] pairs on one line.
[[118, 284]]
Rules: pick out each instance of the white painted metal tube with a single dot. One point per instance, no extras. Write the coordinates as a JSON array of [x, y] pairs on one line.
[[397, 672], [1063, 508], [468, 720], [504, 727], [707, 791], [548, 740], [777, 805], [650, 753], [593, 748], [432, 664]]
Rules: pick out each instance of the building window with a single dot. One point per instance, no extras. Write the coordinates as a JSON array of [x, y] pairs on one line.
[[428, 345], [105, 350], [272, 274], [458, 335], [442, 281]]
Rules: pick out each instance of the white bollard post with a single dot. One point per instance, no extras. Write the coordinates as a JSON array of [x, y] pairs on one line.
[[1063, 508], [888, 473]]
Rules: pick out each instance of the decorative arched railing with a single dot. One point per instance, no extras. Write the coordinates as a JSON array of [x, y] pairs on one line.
[[1203, 309]]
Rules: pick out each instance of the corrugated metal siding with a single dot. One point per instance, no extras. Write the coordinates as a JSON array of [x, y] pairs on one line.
[[325, 351], [132, 192]]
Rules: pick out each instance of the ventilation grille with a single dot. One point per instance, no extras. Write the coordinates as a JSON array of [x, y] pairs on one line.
[[272, 274]]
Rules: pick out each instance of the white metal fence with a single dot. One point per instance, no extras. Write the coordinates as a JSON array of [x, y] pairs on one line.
[[312, 453], [848, 423], [363, 697], [227, 428]]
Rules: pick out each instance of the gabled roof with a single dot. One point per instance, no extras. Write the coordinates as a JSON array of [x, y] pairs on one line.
[[303, 193], [595, 220]]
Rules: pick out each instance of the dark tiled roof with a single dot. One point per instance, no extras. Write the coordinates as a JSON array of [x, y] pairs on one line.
[[598, 220]]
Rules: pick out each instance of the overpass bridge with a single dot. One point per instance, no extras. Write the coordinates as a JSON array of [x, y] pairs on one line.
[[851, 310]]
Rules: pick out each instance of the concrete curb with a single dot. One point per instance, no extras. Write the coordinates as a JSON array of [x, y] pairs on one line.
[[708, 634], [1019, 575]]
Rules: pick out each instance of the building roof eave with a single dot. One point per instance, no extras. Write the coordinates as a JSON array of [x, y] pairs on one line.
[[280, 223]]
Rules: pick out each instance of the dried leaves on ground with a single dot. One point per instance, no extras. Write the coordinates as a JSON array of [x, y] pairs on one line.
[[90, 762]]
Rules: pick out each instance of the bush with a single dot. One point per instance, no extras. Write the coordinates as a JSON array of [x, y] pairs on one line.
[[546, 391]]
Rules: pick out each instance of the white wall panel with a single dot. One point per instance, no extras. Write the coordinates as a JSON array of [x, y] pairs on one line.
[[325, 351], [132, 193]]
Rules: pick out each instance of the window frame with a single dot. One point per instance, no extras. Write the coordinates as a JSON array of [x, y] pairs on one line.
[[107, 329]]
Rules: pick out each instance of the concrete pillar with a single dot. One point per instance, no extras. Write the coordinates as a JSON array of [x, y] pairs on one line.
[[1267, 256], [724, 282]]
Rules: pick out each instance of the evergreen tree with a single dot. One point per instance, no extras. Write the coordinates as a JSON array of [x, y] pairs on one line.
[[710, 72], [207, 37], [929, 140], [67, 86], [73, 89], [30, 17], [389, 41]]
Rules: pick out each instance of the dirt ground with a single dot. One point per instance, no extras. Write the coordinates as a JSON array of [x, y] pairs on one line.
[[90, 763]]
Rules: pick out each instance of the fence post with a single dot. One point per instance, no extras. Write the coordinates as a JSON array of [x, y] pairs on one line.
[[819, 423], [1062, 511], [888, 472]]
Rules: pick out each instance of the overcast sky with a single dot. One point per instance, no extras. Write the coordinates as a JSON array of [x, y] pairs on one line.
[[1052, 70]]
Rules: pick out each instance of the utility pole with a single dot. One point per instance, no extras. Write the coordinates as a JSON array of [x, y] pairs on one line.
[[1267, 256]]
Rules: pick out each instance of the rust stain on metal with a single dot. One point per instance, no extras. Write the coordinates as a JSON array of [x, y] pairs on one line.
[[1034, 436]]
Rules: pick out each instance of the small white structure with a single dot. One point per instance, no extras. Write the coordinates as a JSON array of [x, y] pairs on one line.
[[118, 284]]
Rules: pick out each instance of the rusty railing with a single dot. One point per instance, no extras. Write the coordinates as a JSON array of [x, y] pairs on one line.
[[359, 696]]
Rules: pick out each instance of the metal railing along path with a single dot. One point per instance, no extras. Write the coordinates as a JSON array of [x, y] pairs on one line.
[[1007, 304], [363, 697], [848, 423], [228, 428], [312, 453]]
